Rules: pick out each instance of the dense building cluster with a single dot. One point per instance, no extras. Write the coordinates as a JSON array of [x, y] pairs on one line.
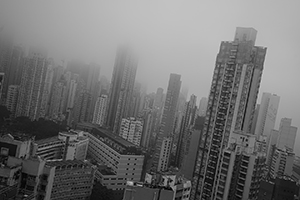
[[141, 145]]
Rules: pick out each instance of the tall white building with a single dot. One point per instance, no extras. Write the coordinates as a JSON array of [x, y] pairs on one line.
[[12, 98], [100, 110], [131, 130], [287, 134], [203, 106], [267, 114]]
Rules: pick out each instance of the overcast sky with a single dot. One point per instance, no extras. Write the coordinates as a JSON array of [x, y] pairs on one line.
[[171, 36]]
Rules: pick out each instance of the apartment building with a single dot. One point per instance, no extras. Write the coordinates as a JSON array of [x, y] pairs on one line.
[[166, 186], [242, 167], [67, 145]]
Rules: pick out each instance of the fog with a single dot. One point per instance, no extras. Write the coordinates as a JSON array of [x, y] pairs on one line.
[[170, 36]]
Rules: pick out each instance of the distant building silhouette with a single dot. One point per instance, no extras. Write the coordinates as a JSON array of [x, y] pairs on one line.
[[165, 135], [122, 84]]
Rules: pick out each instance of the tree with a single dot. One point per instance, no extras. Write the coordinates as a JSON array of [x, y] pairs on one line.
[[4, 114]]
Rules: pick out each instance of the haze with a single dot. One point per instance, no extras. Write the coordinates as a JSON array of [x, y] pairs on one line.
[[170, 36]]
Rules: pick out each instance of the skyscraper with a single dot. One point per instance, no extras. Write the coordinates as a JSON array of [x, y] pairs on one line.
[[32, 84], [287, 134], [158, 101], [203, 106], [100, 110], [267, 114], [242, 167], [93, 88], [231, 106], [122, 84], [12, 97], [6, 46], [187, 121], [165, 135]]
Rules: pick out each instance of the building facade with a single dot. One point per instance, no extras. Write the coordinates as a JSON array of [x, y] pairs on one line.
[[287, 134], [267, 114], [203, 106], [32, 84], [242, 167], [100, 110], [122, 84], [166, 186], [165, 135], [119, 160], [131, 130], [231, 105]]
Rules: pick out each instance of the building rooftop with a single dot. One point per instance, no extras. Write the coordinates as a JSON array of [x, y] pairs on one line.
[[61, 163], [47, 140], [97, 131], [16, 136], [105, 170]]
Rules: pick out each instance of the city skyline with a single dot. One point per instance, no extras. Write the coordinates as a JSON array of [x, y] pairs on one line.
[[136, 90], [163, 30]]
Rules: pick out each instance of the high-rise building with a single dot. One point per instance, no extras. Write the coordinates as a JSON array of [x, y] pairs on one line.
[[282, 163], [203, 106], [188, 164], [158, 101], [12, 98], [253, 126], [271, 146], [32, 84], [136, 100], [165, 135], [287, 134], [122, 84], [15, 66], [46, 96], [242, 167], [57, 101], [131, 130], [187, 122], [267, 114], [6, 47], [231, 106], [93, 88], [147, 128], [1, 83], [100, 110]]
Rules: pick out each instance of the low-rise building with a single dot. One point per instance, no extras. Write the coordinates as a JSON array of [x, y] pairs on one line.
[[122, 159], [57, 179], [278, 189], [166, 186], [67, 145], [16, 145]]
